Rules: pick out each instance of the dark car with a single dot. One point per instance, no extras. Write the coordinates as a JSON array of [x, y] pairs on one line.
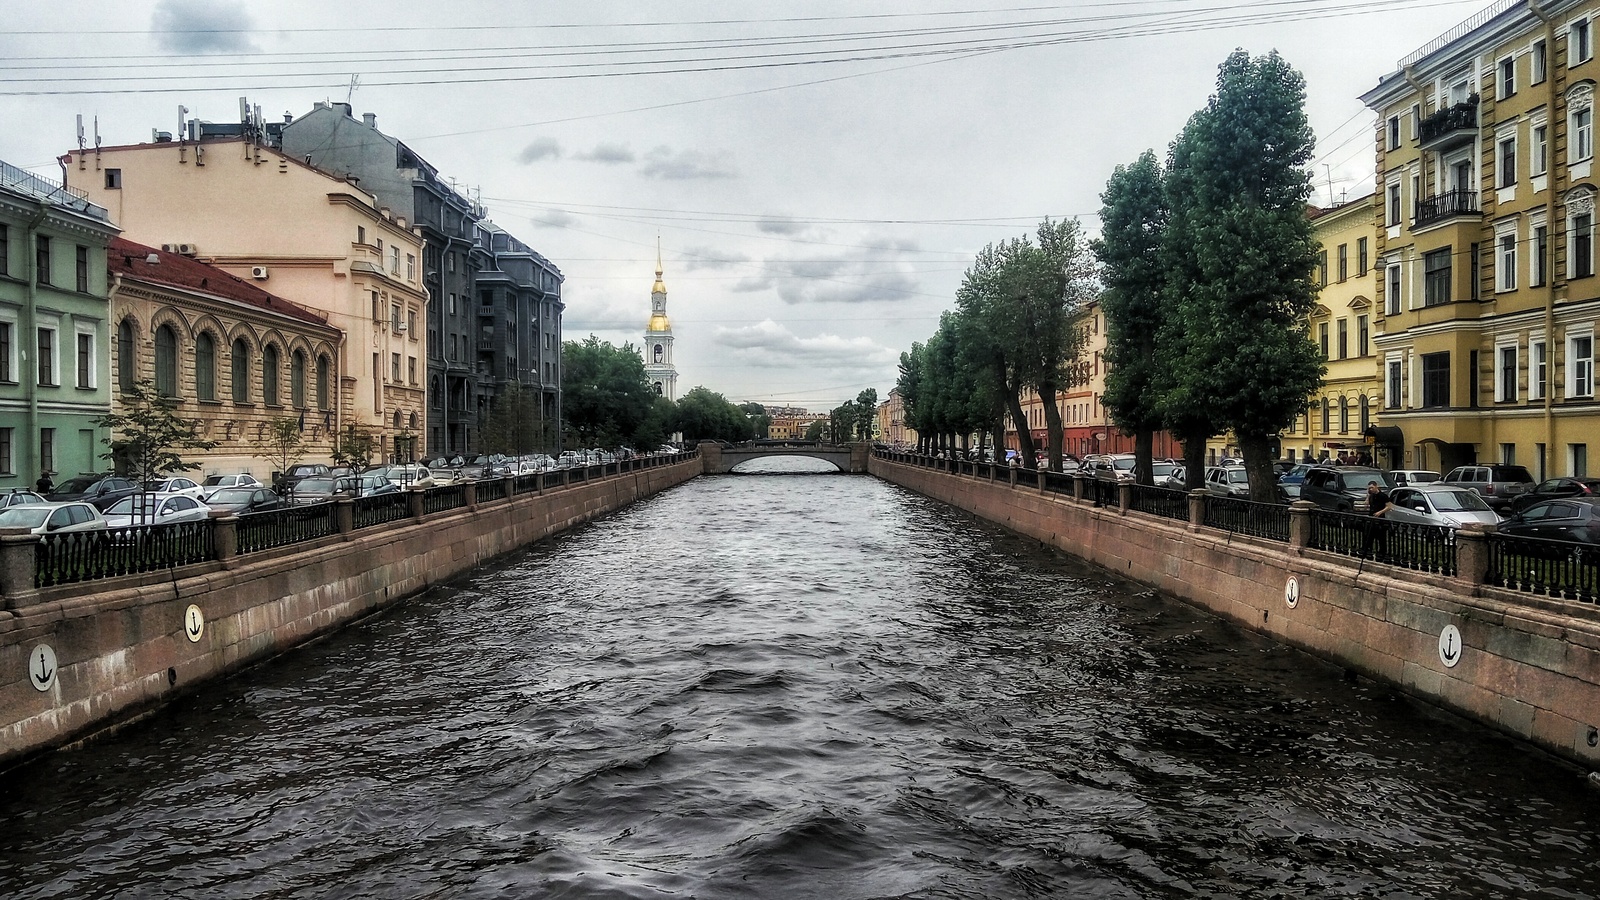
[[300, 472], [99, 491], [1341, 488], [1556, 489], [1570, 519], [323, 488], [245, 500]]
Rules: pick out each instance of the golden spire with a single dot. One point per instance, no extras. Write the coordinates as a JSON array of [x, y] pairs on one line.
[[658, 288]]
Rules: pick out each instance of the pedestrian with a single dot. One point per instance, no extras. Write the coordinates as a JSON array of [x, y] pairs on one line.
[[1375, 532], [44, 485]]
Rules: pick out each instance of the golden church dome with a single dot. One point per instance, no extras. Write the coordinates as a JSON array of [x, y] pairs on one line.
[[658, 322]]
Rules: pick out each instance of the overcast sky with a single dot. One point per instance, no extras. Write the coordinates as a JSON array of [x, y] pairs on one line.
[[819, 183]]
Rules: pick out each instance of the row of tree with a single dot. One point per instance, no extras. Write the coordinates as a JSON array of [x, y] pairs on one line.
[[849, 421], [1204, 279]]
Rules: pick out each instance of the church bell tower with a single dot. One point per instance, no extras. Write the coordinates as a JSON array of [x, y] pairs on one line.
[[657, 347]]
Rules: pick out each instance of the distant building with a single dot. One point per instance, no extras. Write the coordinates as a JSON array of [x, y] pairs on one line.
[[892, 421], [657, 348], [519, 328], [1342, 328], [54, 330]]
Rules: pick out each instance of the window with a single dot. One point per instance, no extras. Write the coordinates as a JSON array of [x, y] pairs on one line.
[[1394, 132], [411, 369], [1508, 454], [1361, 257], [1538, 370], [47, 356], [1580, 45], [452, 348], [1391, 385], [1541, 254], [1507, 85], [42, 260], [394, 260], [1344, 262], [1344, 338], [1366, 413], [1393, 217], [1581, 129], [1507, 162], [8, 352], [1539, 153], [1435, 380], [1505, 262], [1578, 460], [1505, 384], [47, 449], [1539, 61], [1436, 277], [411, 267], [269, 375], [377, 311], [1322, 340], [450, 262], [411, 323], [86, 372], [241, 371], [1473, 371], [1327, 411], [125, 370], [394, 316], [1580, 366], [205, 366], [81, 270], [361, 234], [1344, 416], [297, 380], [7, 464], [5, 249], [380, 250], [394, 367], [322, 382], [1580, 258], [1391, 296], [1363, 335], [166, 362], [452, 296]]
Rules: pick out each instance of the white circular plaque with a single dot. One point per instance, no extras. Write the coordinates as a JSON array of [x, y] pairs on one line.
[[42, 667], [194, 623], [1450, 646], [1291, 592]]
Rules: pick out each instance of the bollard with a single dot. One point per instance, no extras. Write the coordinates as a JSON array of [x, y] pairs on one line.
[[1080, 487], [1300, 525], [414, 499], [1124, 496], [1197, 507], [225, 537], [344, 516], [1472, 553], [511, 486], [18, 551], [469, 493]]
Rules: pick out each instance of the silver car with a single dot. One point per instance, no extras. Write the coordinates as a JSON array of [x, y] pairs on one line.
[[155, 509], [1438, 504], [54, 518]]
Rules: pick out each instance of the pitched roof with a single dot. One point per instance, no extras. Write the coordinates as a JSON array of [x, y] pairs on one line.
[[125, 257]]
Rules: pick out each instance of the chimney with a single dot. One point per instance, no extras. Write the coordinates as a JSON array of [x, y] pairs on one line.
[[371, 119], [346, 108], [288, 117]]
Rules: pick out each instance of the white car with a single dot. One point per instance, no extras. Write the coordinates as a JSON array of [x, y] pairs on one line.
[[176, 484], [1438, 504], [155, 509], [214, 483], [54, 518]]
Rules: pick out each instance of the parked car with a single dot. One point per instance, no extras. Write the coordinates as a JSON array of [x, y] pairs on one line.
[[174, 484], [1569, 519], [100, 491], [1168, 475], [324, 488], [1438, 504], [1499, 484], [54, 518], [19, 497], [376, 485], [1341, 488], [1117, 468], [1412, 477], [155, 509], [1292, 480], [213, 483], [406, 475], [1555, 489], [246, 500], [1228, 481], [299, 472]]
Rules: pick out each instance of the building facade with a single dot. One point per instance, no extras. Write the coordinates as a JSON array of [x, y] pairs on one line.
[[54, 315], [519, 330], [1487, 295], [657, 347], [318, 241], [234, 356]]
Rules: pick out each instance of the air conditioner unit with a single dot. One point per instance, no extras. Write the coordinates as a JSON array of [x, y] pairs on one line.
[[169, 248], [186, 250], [259, 273], [399, 326]]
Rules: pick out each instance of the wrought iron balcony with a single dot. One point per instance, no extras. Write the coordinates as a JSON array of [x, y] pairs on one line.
[[1451, 126], [1447, 205]]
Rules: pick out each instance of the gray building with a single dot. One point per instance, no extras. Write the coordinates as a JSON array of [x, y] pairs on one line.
[[467, 366], [519, 336]]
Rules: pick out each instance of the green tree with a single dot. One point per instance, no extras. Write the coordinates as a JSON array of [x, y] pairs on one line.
[[1133, 221], [353, 447], [866, 410], [148, 438], [760, 422], [280, 443], [705, 415], [816, 431], [606, 396], [1248, 254]]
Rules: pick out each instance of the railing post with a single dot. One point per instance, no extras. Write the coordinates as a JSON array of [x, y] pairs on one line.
[[1080, 488], [344, 516], [1197, 507], [226, 537], [1472, 552], [1011, 475], [1038, 475], [414, 501], [511, 486], [1300, 524], [469, 493], [18, 554], [1124, 496]]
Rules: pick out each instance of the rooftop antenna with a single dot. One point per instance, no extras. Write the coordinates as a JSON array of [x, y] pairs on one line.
[[1329, 169], [81, 143], [355, 82], [97, 132]]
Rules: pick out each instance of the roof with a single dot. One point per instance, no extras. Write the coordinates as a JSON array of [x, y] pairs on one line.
[[125, 257], [43, 190]]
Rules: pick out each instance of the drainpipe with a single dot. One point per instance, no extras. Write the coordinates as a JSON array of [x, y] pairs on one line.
[[1547, 389], [28, 340]]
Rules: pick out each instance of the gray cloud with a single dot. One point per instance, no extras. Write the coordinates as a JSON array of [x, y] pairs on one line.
[[202, 26], [697, 259], [769, 345], [542, 148], [682, 165], [784, 226], [553, 218], [841, 279], [608, 154]]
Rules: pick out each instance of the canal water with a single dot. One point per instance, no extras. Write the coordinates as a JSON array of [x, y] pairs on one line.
[[796, 686]]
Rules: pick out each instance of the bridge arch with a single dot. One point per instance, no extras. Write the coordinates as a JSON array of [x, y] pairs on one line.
[[817, 465], [720, 458]]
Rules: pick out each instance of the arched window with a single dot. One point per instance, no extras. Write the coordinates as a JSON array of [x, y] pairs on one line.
[[166, 361], [241, 371], [205, 366], [323, 374], [413, 420], [1366, 413], [297, 380], [1344, 416], [1326, 407], [269, 375], [397, 420], [125, 351]]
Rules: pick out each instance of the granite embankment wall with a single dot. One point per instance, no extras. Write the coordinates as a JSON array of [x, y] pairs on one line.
[[123, 646], [1527, 665]]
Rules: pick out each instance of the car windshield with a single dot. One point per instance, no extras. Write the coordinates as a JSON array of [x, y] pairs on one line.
[[1422, 477], [1123, 465], [1238, 476], [1510, 473], [1163, 469], [133, 505], [315, 485], [231, 495], [76, 485], [1458, 501], [213, 480], [25, 516]]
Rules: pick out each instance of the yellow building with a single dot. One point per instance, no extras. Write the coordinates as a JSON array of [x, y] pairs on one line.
[[1339, 414], [318, 241], [1487, 295]]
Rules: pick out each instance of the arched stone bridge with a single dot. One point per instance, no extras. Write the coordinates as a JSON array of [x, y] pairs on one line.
[[720, 459]]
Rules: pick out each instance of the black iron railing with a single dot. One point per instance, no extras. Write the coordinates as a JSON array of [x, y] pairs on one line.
[[1446, 205], [87, 555], [1424, 548], [1168, 503], [1056, 482], [1544, 566], [279, 527], [379, 509], [1103, 492], [444, 498], [526, 483], [1462, 117], [1235, 514], [491, 489]]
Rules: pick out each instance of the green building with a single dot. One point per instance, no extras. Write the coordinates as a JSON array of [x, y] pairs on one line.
[[54, 331]]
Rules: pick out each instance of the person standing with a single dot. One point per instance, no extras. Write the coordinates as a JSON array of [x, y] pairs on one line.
[[44, 485], [1377, 508]]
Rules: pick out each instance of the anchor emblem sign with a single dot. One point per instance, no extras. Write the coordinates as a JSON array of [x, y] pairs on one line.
[[194, 623], [1291, 592], [1450, 646], [42, 667]]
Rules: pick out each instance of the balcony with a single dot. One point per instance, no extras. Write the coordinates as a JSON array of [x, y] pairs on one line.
[[1450, 127], [1448, 205]]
